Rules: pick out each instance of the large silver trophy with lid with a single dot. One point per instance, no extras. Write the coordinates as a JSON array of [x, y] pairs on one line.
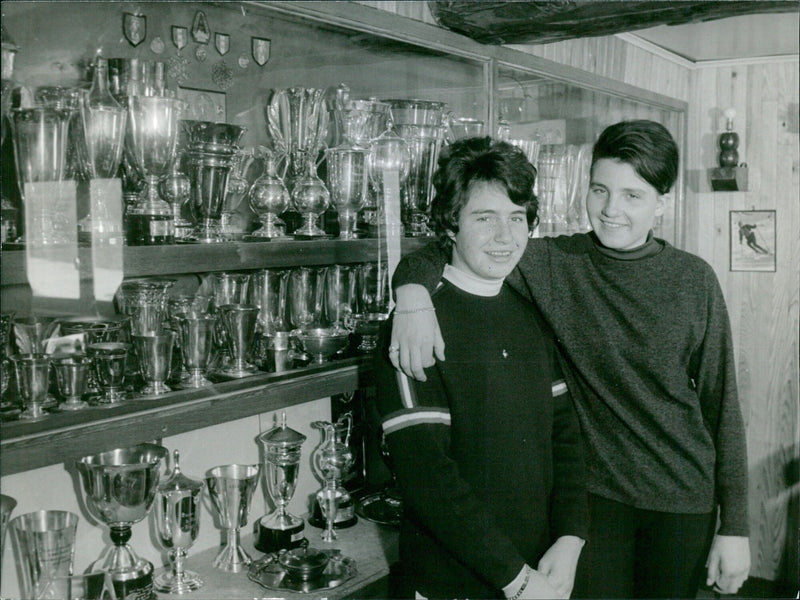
[[119, 488], [280, 530], [178, 523]]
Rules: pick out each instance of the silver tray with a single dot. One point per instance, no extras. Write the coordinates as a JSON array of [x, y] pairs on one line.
[[268, 573]]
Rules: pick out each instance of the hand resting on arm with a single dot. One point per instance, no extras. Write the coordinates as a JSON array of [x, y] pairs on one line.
[[415, 332]]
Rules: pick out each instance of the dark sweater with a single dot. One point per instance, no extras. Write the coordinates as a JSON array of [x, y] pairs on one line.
[[649, 364], [487, 452]]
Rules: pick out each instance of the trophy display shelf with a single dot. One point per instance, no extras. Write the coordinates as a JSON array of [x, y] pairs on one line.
[[71, 435], [372, 547], [172, 259]]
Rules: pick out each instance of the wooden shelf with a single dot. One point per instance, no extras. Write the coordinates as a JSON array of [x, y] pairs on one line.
[[140, 261], [65, 437]]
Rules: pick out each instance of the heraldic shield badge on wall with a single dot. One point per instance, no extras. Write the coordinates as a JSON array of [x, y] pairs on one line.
[[222, 42], [260, 50], [134, 28]]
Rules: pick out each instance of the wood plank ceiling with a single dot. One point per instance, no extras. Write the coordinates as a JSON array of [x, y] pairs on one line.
[[531, 21]]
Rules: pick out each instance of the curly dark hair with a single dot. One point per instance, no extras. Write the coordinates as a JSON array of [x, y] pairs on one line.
[[479, 159]]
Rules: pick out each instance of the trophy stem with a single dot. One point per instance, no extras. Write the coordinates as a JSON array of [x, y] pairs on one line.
[[195, 379], [129, 573], [328, 503], [233, 558], [177, 580], [347, 224]]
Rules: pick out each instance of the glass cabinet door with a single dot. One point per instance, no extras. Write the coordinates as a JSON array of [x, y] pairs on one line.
[[556, 122]]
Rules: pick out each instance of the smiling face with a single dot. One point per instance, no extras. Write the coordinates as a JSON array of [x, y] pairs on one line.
[[492, 233], [621, 205]]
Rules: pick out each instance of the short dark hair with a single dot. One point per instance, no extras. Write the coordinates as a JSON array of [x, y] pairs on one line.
[[645, 145], [480, 159]]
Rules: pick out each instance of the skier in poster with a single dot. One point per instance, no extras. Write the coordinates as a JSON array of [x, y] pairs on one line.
[[746, 231]]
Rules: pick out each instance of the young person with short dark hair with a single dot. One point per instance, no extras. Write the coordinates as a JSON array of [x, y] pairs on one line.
[[487, 452], [650, 366]]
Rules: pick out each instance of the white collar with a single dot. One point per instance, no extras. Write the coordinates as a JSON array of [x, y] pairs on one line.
[[472, 284]]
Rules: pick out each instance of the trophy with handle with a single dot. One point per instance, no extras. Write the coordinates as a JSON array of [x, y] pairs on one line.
[[178, 523], [119, 488], [280, 530]]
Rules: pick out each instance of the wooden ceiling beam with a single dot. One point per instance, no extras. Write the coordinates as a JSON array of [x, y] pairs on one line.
[[531, 21]]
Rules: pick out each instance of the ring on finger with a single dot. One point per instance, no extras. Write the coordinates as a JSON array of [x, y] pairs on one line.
[[394, 348]]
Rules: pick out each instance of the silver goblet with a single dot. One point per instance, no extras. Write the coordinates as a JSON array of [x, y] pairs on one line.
[[347, 183], [72, 376], [340, 294], [151, 140], [268, 292], [196, 332], [154, 354], [298, 120], [211, 151], [239, 323], [306, 297], [33, 379], [231, 489], [108, 360], [46, 543], [7, 505], [424, 143], [177, 516], [41, 140]]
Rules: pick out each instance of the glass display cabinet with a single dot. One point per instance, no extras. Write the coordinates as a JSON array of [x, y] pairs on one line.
[[552, 111], [556, 120]]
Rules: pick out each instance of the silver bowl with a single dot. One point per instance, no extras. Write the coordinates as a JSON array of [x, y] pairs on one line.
[[120, 485], [323, 342], [304, 563]]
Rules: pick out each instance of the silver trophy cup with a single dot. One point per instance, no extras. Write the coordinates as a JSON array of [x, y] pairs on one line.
[[45, 543], [196, 332], [239, 324], [231, 489], [108, 361], [72, 376], [119, 488], [154, 353], [33, 378], [177, 516]]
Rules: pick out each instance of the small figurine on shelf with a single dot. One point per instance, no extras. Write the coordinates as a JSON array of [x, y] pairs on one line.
[[730, 176]]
